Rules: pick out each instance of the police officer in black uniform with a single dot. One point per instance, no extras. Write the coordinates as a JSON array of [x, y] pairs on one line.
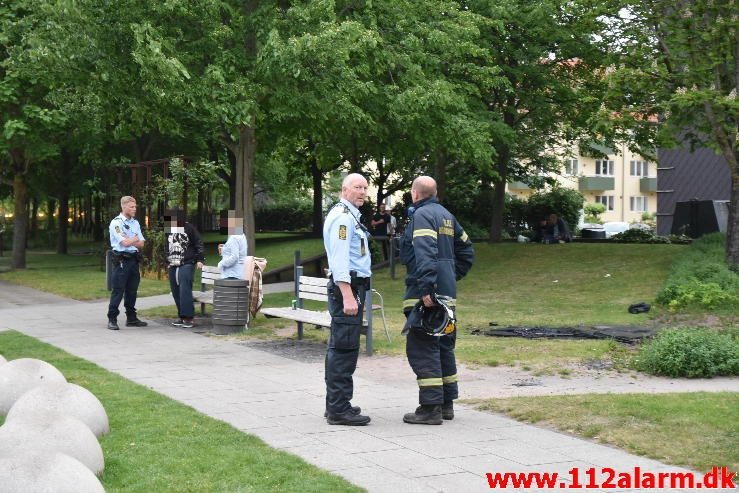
[[437, 253], [126, 242], [347, 246]]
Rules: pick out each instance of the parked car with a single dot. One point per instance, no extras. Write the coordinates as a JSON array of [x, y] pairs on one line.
[[615, 227]]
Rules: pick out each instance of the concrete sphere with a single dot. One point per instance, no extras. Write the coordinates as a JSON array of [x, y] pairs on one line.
[[21, 375], [48, 431], [65, 398], [23, 470], [2, 360]]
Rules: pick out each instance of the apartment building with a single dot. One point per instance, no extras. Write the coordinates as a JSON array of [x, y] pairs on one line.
[[624, 182]]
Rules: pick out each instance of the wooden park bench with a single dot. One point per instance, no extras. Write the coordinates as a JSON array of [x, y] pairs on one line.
[[315, 288], [209, 275]]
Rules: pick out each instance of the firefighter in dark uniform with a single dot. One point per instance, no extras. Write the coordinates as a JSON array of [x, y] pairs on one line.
[[437, 253], [347, 247], [126, 242]]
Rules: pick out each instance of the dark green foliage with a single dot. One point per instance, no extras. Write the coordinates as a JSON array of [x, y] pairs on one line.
[[692, 353], [295, 216], [701, 278], [639, 236], [564, 202]]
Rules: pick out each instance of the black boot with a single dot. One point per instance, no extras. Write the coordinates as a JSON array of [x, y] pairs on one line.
[[353, 410], [447, 410], [348, 419], [425, 415]]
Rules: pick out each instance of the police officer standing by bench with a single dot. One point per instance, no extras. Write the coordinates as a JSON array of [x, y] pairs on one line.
[[347, 247], [437, 253], [126, 242]]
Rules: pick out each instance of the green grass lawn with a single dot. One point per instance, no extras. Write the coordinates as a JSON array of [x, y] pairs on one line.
[[157, 444], [502, 289], [698, 430]]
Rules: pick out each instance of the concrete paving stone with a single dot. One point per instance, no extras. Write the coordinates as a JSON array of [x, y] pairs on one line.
[[282, 438], [381, 480], [457, 482], [409, 463], [467, 434], [306, 423], [433, 447], [525, 453], [605, 456], [328, 457], [544, 438], [207, 406], [272, 409], [244, 421], [352, 440], [383, 428], [481, 464], [244, 398]]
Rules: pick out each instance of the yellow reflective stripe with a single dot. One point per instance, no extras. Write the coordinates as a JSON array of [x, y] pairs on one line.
[[429, 382], [464, 237], [450, 379], [424, 232], [410, 302]]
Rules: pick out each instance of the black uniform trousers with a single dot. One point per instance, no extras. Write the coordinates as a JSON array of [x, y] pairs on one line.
[[343, 347], [125, 281], [432, 360]]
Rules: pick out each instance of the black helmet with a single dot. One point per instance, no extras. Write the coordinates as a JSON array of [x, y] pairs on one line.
[[438, 320]]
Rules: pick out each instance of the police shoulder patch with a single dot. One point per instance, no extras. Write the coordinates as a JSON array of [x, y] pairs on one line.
[[342, 232], [118, 229]]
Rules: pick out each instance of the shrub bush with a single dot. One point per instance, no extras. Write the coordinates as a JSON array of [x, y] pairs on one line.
[[700, 277], [692, 353], [564, 202], [297, 216], [639, 236]]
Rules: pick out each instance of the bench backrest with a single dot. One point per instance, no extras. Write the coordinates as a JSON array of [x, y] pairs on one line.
[[210, 274], [312, 288]]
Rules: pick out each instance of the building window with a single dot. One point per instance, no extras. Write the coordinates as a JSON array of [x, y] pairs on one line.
[[604, 167], [606, 200], [639, 204], [572, 167], [639, 168]]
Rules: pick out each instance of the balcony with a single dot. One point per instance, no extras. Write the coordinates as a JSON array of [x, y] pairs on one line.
[[647, 185], [518, 185], [596, 183]]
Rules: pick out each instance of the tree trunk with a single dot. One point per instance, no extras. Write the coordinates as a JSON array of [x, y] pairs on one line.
[[732, 230], [20, 220], [317, 176], [245, 181], [498, 205], [62, 234], [231, 179]]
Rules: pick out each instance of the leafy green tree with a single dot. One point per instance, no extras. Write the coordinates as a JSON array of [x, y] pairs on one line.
[[546, 54], [27, 115], [593, 212], [679, 61]]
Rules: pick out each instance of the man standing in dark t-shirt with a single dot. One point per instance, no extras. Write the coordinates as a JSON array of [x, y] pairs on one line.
[[380, 223]]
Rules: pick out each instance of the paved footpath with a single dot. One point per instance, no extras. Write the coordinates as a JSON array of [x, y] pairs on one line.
[[282, 401]]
